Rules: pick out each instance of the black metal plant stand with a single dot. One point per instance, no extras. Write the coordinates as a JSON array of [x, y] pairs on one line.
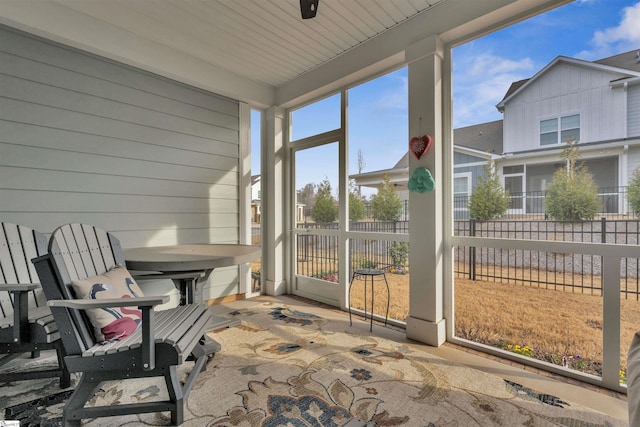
[[369, 273]]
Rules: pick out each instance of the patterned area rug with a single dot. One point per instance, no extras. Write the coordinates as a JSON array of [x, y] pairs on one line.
[[295, 364]]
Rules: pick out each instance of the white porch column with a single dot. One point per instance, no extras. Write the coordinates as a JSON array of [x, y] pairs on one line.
[[273, 203], [426, 297]]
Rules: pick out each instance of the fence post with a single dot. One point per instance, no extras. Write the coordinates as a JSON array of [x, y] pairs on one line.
[[472, 253], [603, 230]]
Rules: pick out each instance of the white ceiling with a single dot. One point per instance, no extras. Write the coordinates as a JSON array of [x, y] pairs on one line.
[[258, 51], [263, 40]]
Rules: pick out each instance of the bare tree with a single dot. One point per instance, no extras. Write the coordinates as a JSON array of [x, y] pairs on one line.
[[361, 165]]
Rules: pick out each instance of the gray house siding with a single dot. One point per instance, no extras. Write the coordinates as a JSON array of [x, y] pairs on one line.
[[84, 139], [467, 163], [633, 111], [565, 89]]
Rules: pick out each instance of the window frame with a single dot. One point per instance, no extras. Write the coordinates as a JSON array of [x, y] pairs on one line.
[[559, 130], [469, 178]]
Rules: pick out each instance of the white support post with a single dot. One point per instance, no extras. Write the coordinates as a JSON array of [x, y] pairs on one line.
[[244, 170], [611, 321], [273, 176], [425, 322]]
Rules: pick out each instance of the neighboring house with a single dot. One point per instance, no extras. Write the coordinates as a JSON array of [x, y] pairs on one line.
[[256, 195], [596, 104], [256, 202]]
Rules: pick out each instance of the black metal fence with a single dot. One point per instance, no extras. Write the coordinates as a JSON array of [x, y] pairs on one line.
[[318, 255], [574, 272], [613, 204]]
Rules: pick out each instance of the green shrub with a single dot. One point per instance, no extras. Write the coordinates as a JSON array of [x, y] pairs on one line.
[[325, 208], [489, 199], [386, 205], [399, 252], [362, 262], [633, 192], [357, 209], [572, 194]]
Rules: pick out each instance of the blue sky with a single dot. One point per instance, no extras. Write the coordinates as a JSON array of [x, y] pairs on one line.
[[585, 29], [483, 70]]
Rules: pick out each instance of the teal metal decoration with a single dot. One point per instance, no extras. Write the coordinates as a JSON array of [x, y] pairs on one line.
[[421, 180]]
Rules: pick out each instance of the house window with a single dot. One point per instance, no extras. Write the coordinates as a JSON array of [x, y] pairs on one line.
[[461, 190], [461, 186], [513, 179], [560, 130]]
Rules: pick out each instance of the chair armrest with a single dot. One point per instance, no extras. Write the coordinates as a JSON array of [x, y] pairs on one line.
[[85, 304], [145, 304], [20, 287], [155, 275]]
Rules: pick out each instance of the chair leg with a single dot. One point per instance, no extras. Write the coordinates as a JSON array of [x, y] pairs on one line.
[[83, 392], [176, 395], [65, 377]]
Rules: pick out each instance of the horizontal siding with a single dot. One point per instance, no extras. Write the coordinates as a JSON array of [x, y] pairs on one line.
[[33, 72], [62, 201], [143, 222], [105, 126], [85, 139], [72, 61], [104, 168], [26, 134]]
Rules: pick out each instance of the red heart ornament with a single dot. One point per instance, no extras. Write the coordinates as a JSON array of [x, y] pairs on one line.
[[420, 145]]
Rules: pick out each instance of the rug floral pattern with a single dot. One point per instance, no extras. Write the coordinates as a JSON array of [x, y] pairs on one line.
[[298, 365]]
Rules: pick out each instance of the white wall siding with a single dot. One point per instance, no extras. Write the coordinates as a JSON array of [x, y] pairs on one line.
[[83, 139], [633, 110], [565, 89]]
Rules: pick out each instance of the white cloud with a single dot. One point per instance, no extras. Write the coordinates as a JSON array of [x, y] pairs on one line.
[[395, 97], [621, 38], [480, 82]]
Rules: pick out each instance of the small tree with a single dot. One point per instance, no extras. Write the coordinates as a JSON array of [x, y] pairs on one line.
[[633, 192], [572, 194], [325, 208], [489, 198], [399, 252], [357, 209], [386, 205], [307, 196]]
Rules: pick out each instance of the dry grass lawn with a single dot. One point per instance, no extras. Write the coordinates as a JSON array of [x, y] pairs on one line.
[[561, 327]]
